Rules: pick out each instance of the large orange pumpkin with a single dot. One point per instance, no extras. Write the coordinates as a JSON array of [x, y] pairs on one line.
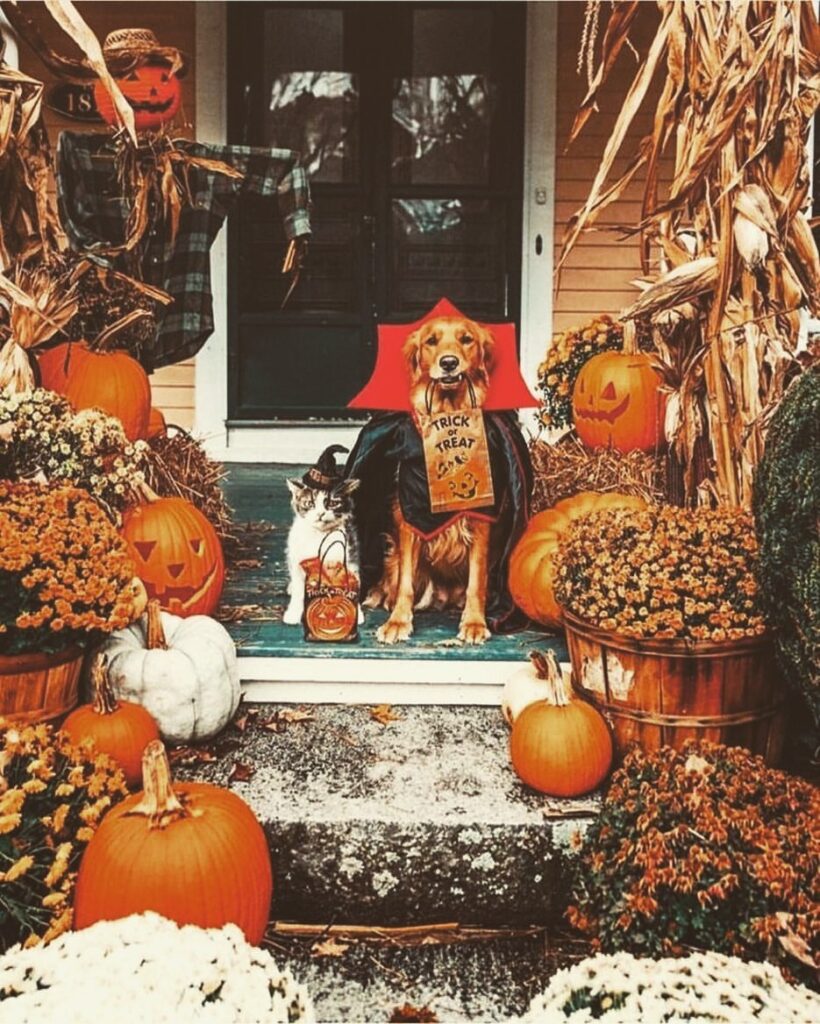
[[561, 745], [120, 729], [617, 402], [192, 852], [111, 381], [152, 91], [532, 564], [177, 553]]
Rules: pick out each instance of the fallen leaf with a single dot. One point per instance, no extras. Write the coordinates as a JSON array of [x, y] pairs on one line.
[[245, 613], [285, 717], [241, 722], [191, 755], [408, 1013], [330, 947], [384, 714], [241, 772], [248, 563]]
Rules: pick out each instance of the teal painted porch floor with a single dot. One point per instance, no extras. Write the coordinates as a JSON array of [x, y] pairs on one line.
[[259, 496]]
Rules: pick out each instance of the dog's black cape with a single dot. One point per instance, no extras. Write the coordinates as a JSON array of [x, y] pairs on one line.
[[389, 448]]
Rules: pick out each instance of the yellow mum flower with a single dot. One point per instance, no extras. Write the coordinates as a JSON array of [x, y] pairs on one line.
[[8, 823], [18, 868]]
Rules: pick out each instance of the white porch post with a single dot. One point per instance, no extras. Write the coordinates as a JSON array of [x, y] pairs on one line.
[[211, 367], [539, 190]]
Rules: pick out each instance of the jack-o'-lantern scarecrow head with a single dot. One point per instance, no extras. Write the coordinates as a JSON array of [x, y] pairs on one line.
[[617, 402], [177, 555], [148, 76]]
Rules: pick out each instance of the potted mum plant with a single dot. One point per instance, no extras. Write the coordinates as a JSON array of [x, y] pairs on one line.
[[664, 627], [66, 580]]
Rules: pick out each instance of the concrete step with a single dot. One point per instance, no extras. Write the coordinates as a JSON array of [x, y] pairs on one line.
[[489, 980], [417, 820]]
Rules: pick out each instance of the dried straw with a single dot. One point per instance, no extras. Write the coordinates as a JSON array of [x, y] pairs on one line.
[[177, 466], [565, 468]]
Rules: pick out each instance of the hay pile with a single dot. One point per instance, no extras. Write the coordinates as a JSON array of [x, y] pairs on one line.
[[568, 467]]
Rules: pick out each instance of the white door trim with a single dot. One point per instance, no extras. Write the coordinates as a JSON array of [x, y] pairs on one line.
[[300, 443]]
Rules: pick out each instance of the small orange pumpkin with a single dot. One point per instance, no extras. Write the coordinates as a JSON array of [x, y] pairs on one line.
[[177, 553], [156, 424], [192, 852], [153, 92], [120, 729], [532, 563], [561, 745], [111, 381], [617, 402]]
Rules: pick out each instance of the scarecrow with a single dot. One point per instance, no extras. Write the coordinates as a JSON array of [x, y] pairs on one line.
[[149, 203]]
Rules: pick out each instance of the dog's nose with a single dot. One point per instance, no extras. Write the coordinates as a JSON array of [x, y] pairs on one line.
[[448, 363]]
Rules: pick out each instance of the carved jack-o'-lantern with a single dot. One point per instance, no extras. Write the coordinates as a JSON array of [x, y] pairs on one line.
[[617, 402], [152, 90], [177, 554]]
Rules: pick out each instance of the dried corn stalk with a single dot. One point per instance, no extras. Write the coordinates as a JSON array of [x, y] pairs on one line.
[[735, 253], [27, 212], [36, 305]]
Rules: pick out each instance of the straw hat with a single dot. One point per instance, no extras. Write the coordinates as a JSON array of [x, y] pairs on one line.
[[127, 48]]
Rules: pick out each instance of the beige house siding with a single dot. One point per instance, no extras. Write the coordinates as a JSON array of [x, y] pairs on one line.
[[596, 277], [174, 25]]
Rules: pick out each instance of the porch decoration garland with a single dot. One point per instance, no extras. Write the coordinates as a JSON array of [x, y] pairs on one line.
[[52, 797], [701, 988], [663, 572], [737, 255], [41, 437], [145, 967], [703, 848], [66, 577]]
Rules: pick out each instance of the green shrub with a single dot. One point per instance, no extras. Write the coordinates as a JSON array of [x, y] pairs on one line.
[[787, 521]]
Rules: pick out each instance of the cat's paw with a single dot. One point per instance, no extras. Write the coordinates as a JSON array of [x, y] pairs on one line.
[[293, 615], [394, 631]]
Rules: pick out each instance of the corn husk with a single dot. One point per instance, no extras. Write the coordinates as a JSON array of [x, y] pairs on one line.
[[737, 255]]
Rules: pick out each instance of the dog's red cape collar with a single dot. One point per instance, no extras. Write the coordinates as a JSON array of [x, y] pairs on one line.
[[388, 387]]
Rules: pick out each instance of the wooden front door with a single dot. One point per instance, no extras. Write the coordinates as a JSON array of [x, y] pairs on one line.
[[409, 118]]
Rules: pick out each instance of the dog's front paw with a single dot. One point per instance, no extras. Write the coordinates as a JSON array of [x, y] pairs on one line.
[[394, 631], [292, 616], [474, 632]]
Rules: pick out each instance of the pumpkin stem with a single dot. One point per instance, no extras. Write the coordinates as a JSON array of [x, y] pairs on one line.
[[159, 804], [548, 670], [105, 703], [154, 633], [630, 346], [148, 494]]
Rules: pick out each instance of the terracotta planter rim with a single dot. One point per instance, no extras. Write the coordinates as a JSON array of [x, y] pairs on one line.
[[666, 647]]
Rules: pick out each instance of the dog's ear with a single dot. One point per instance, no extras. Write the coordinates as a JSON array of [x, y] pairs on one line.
[[410, 349], [487, 343]]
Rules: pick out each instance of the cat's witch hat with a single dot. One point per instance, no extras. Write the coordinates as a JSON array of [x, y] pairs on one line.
[[325, 474]]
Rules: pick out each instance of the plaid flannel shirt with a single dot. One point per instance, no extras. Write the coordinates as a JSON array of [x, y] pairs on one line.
[[94, 217]]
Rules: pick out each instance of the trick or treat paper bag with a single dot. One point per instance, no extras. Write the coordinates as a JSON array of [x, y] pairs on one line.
[[457, 460]]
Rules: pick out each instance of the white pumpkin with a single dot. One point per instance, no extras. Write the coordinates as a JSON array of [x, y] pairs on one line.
[[527, 685], [184, 671]]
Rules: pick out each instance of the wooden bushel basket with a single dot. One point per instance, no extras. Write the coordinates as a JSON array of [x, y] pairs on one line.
[[39, 687], [660, 693]]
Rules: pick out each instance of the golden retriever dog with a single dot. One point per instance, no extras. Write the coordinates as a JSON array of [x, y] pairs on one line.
[[449, 360]]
